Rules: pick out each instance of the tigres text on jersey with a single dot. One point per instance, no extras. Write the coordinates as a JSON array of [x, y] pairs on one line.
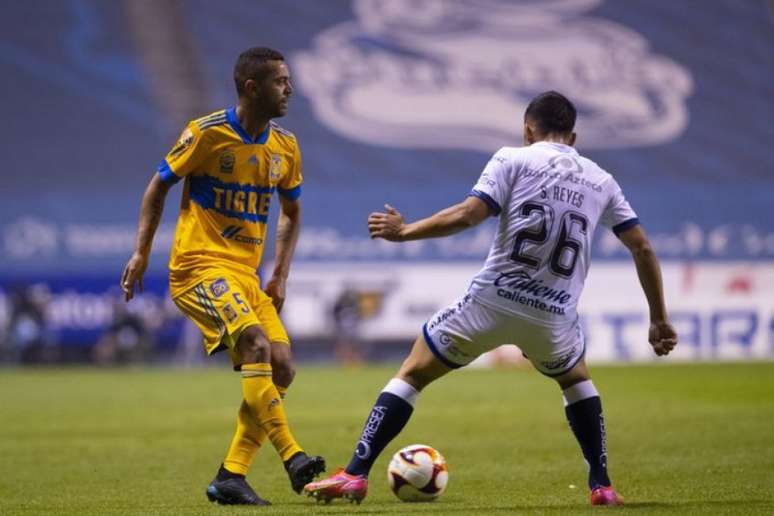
[[229, 182]]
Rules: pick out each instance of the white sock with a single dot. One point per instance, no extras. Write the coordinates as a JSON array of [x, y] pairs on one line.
[[402, 390], [579, 392]]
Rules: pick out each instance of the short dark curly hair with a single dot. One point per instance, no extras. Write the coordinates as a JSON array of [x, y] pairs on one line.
[[552, 112], [249, 65]]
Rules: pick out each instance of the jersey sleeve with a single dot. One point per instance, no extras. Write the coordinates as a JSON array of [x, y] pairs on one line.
[[493, 186], [187, 154], [618, 214], [290, 185]]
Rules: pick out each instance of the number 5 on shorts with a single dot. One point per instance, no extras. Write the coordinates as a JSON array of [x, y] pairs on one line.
[[241, 302]]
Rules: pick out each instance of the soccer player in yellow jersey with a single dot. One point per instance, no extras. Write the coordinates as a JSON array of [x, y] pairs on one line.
[[232, 162]]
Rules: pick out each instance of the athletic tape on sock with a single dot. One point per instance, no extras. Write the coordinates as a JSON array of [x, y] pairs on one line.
[[579, 392], [402, 390]]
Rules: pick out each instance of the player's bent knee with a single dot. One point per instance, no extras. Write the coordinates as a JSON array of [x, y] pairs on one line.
[[579, 373], [282, 364], [421, 367], [283, 373], [415, 379], [418, 376], [253, 346]]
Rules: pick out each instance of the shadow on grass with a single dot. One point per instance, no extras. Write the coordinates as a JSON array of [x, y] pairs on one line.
[[702, 503], [741, 506]]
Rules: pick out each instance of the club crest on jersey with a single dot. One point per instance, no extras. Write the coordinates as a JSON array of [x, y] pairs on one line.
[[275, 168], [227, 160], [219, 287], [231, 314], [566, 163], [185, 141]]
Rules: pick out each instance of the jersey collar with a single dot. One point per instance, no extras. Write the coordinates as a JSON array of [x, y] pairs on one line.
[[558, 146], [233, 121]]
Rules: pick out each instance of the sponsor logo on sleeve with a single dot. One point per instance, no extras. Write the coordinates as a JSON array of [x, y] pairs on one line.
[[185, 141]]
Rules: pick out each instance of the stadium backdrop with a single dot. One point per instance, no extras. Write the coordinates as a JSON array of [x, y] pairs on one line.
[[399, 102]]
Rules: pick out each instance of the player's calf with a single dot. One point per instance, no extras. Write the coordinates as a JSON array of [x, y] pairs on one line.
[[583, 409]]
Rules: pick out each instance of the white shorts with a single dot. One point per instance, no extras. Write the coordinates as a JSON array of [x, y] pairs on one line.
[[461, 332]]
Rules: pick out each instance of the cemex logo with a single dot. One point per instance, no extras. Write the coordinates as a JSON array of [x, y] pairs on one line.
[[232, 233]]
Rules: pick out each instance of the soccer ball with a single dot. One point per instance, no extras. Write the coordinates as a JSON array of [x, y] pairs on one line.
[[418, 473]]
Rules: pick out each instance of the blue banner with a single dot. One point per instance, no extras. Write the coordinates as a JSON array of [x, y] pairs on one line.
[[395, 101]]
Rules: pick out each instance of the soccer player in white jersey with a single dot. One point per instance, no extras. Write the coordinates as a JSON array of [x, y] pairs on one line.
[[549, 200]]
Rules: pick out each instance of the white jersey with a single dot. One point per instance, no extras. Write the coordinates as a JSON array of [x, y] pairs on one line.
[[549, 199]]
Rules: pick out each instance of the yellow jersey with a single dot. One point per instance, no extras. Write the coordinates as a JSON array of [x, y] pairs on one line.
[[229, 182]]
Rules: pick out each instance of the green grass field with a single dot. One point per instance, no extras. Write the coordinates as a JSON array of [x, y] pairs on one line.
[[683, 439]]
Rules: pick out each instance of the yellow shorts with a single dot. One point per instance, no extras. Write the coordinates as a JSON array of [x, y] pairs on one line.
[[223, 305]]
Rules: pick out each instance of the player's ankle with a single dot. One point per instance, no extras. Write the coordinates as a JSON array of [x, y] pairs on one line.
[[225, 474]]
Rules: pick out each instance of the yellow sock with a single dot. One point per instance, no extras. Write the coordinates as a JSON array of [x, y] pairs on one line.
[[248, 439], [266, 406]]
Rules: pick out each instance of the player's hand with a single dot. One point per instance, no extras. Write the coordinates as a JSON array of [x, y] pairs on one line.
[[275, 289], [133, 272], [662, 337], [386, 225]]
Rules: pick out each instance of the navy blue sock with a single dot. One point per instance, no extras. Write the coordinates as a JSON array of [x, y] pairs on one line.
[[388, 417], [588, 425]]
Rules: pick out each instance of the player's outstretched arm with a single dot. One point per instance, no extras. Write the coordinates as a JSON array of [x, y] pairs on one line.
[[150, 215], [288, 228], [662, 335], [390, 225]]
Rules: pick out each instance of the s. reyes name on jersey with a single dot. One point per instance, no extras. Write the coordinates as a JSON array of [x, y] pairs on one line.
[[550, 200], [229, 182]]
